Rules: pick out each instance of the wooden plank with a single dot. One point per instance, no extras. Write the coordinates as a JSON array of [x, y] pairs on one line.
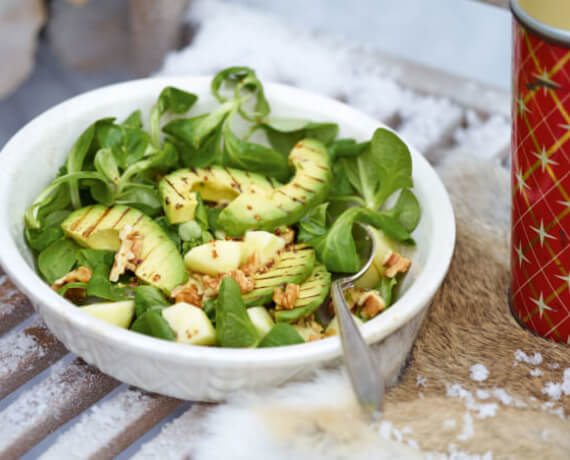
[[110, 427], [499, 3], [14, 306], [25, 353], [176, 439], [434, 82], [69, 389]]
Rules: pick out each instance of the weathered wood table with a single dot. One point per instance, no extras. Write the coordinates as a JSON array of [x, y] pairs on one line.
[[54, 405]]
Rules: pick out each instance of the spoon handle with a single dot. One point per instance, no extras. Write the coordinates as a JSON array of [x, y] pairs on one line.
[[364, 375]]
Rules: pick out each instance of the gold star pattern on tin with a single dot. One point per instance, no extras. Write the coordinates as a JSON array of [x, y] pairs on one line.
[[522, 108], [521, 184], [565, 278], [545, 81], [542, 234], [562, 125], [520, 254], [541, 305], [564, 203], [543, 157]]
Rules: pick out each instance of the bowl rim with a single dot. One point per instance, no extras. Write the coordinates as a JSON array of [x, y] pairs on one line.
[[418, 294]]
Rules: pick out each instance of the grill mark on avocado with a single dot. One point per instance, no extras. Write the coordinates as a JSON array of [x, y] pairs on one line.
[[318, 179], [193, 170], [138, 220], [125, 212], [310, 149], [91, 229], [235, 183], [174, 188], [143, 259], [268, 179], [325, 168], [308, 190], [78, 221], [283, 210], [292, 198]]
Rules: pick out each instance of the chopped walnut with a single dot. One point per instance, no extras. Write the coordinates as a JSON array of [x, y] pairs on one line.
[[314, 331], [126, 258], [189, 292], [252, 264], [288, 235], [285, 300], [211, 285], [245, 283], [352, 296], [395, 264], [79, 275], [372, 303]]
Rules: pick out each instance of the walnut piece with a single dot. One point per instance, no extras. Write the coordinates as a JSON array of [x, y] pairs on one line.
[[395, 264], [126, 258], [288, 235], [211, 284], [352, 296], [245, 283], [252, 264], [372, 303], [79, 275], [188, 292], [285, 299]]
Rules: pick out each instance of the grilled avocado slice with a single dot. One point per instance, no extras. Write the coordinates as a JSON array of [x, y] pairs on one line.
[[312, 293], [215, 183], [98, 227], [294, 266], [266, 209]]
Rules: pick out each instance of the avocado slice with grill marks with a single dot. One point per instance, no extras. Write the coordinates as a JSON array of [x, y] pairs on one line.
[[312, 293], [294, 266], [178, 190], [267, 209], [98, 227]]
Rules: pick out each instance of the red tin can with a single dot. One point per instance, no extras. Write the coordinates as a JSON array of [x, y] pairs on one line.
[[540, 174]]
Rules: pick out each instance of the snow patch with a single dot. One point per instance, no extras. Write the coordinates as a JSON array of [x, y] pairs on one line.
[[479, 373], [522, 357]]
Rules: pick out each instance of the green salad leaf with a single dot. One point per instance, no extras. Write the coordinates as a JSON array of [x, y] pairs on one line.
[[173, 100], [152, 323], [385, 287], [253, 157], [284, 133], [280, 335], [57, 259], [147, 297], [233, 326]]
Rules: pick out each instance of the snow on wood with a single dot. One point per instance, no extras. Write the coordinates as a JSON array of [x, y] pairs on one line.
[[69, 389], [108, 428], [14, 306], [175, 441], [25, 353]]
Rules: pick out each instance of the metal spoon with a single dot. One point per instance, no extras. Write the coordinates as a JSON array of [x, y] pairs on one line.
[[365, 377]]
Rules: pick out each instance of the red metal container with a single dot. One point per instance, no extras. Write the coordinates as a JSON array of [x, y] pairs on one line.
[[540, 174]]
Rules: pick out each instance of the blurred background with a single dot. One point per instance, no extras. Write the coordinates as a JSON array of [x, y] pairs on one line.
[[53, 49]]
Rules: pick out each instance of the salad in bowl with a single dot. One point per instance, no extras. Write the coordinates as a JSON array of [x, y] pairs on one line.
[[224, 228]]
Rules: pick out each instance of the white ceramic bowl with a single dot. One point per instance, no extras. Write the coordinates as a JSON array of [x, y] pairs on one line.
[[30, 161]]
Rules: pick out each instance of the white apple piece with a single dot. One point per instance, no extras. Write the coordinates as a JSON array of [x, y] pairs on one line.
[[215, 257], [261, 320], [191, 325], [266, 244], [116, 313], [333, 329]]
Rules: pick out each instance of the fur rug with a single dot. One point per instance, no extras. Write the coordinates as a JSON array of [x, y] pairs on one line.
[[475, 386]]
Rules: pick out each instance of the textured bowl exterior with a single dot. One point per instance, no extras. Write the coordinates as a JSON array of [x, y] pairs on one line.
[[30, 161]]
